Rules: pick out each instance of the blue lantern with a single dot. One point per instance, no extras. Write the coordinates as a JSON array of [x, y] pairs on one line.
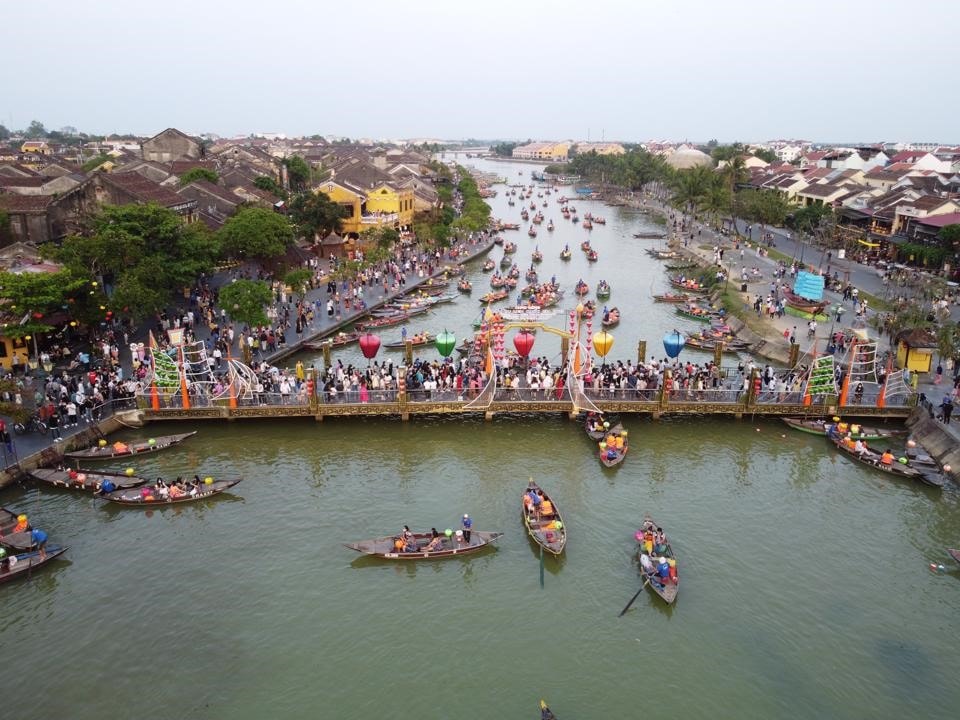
[[673, 343]]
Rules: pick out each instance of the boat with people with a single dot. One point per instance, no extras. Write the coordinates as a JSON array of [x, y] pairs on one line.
[[389, 320], [613, 448], [597, 426], [494, 296], [695, 312], [107, 451], [488, 265], [585, 246], [820, 426], [509, 226], [672, 298], [658, 563], [425, 545], [514, 271], [542, 519], [610, 318], [15, 530], [689, 285], [545, 712], [603, 290], [581, 288], [536, 256], [464, 286], [87, 481], [338, 340], [566, 254], [887, 462], [497, 281], [415, 340], [531, 276], [599, 220], [532, 232], [510, 247], [173, 493], [661, 254], [574, 218], [592, 256], [22, 565], [587, 224], [550, 225]]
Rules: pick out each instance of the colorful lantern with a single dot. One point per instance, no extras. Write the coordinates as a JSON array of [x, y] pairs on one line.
[[673, 343], [369, 345], [602, 342], [523, 342], [446, 342]]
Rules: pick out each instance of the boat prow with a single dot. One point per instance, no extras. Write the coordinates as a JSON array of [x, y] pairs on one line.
[[545, 712]]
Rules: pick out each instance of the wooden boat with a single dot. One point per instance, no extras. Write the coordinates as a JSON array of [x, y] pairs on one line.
[[464, 286], [531, 276], [565, 254], [814, 307], [650, 235], [617, 458], [509, 247], [688, 287], [505, 262], [695, 342], [532, 231], [494, 296], [611, 318], [415, 341], [384, 547], [592, 256], [388, 320], [549, 533], [603, 290], [586, 246], [602, 432], [587, 225], [671, 298], [23, 565], [545, 712], [86, 481], [488, 266], [537, 256], [550, 226], [509, 226], [22, 540], [668, 592], [581, 288], [695, 313], [120, 449], [872, 459], [600, 221], [955, 554], [338, 340], [822, 427], [674, 267], [139, 497]]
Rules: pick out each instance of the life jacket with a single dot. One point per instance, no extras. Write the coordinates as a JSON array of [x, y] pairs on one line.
[[546, 507]]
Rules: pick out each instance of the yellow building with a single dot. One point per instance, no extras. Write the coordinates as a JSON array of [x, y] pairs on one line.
[[348, 198], [915, 350], [36, 146], [388, 200], [383, 205], [553, 151]]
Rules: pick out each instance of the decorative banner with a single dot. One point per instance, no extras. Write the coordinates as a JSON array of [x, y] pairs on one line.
[[446, 342], [809, 285], [822, 379], [369, 345], [673, 343]]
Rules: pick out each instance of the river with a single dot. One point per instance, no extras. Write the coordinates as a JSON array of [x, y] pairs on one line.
[[805, 587]]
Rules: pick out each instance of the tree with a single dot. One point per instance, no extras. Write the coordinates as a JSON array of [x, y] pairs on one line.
[[949, 236], [95, 162], [809, 218], [298, 281], [35, 131], [28, 299], [268, 184], [198, 173], [244, 301], [298, 172], [317, 215], [256, 233], [4, 227], [4, 133], [766, 154]]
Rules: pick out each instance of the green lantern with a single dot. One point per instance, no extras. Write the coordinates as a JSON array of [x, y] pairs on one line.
[[446, 342]]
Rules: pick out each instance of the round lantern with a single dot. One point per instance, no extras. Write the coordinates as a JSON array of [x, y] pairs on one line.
[[673, 343], [446, 342], [369, 345], [523, 342], [602, 342]]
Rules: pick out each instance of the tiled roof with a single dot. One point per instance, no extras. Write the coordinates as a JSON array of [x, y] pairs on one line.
[[215, 190], [22, 181], [142, 189], [941, 220], [25, 203]]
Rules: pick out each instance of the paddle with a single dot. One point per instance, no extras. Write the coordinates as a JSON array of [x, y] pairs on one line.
[[541, 566], [634, 597]]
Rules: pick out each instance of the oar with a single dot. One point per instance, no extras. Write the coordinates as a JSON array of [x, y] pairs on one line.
[[541, 566], [634, 597]]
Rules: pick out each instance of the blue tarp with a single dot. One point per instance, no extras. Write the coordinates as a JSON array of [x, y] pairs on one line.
[[809, 286]]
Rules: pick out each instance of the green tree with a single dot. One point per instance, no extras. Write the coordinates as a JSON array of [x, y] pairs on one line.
[[256, 233], [198, 173], [809, 218], [28, 299], [95, 162], [298, 280], [4, 133], [766, 155], [949, 237], [5, 236], [504, 149], [244, 301], [35, 131], [268, 184], [316, 215], [298, 172]]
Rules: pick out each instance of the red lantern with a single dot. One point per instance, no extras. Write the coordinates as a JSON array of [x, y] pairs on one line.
[[523, 342], [37, 316], [369, 345]]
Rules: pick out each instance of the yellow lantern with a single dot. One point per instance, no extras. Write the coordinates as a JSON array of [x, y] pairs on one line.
[[73, 323], [94, 283], [580, 308], [602, 342]]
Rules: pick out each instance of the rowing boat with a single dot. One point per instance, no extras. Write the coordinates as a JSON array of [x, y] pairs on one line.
[[415, 341], [611, 318], [148, 497], [602, 432], [86, 481], [545, 712], [384, 547], [610, 454], [671, 298], [23, 565], [703, 316], [22, 540], [872, 459], [667, 592], [603, 290], [549, 533], [698, 289], [120, 449], [822, 427], [338, 340], [955, 554]]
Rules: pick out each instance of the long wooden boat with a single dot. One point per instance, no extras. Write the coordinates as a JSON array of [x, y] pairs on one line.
[[464, 286], [338, 340], [22, 540], [494, 296], [955, 554], [822, 427], [120, 449], [138, 498], [671, 298], [699, 289], [384, 547], [872, 459], [611, 318], [650, 235], [549, 533], [618, 457], [545, 712], [597, 435], [803, 304], [22, 565], [695, 342], [85, 481], [388, 320], [415, 341], [674, 267], [703, 316], [668, 592]]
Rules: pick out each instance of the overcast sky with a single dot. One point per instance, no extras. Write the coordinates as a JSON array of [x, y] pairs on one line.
[[824, 70]]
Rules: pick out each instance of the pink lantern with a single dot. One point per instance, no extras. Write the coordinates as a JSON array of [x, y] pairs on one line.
[[369, 345], [523, 342]]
